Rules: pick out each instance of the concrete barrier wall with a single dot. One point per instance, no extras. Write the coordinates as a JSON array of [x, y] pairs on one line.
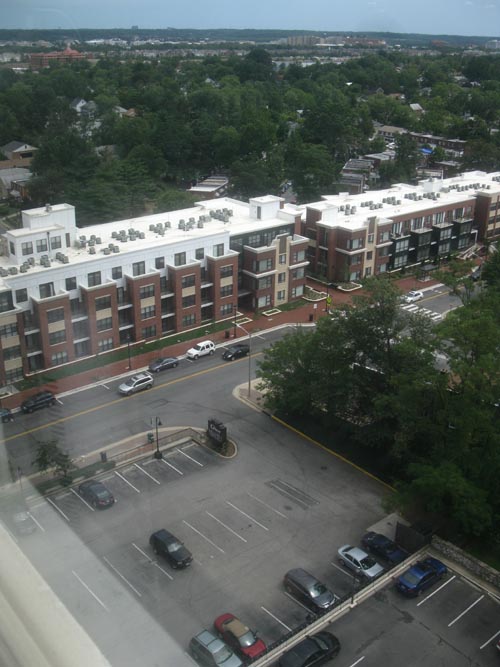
[[468, 562]]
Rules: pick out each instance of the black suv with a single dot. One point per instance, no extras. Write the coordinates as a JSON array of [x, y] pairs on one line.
[[41, 400], [236, 351], [167, 545]]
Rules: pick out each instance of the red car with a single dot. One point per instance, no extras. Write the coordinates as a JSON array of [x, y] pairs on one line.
[[238, 636]]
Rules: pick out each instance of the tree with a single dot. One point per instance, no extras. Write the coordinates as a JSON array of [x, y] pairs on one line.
[[490, 271], [50, 456], [457, 277]]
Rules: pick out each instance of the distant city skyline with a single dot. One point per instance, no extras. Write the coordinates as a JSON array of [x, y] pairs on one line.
[[452, 17]]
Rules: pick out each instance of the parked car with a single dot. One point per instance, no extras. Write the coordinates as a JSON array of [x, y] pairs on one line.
[[6, 415], [420, 576], [380, 545], [173, 550], [136, 383], [239, 637], [309, 590], [236, 351], [201, 349], [96, 494], [210, 651], [162, 364], [312, 651], [412, 296], [41, 400], [359, 562]]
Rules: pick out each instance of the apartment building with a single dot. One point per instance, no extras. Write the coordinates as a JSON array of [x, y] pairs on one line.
[[355, 236], [68, 292]]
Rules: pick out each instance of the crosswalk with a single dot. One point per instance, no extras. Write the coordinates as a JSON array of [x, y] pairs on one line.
[[431, 314]]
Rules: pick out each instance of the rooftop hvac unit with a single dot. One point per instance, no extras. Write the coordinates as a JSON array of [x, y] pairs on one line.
[[83, 237], [111, 246], [92, 250], [31, 261], [142, 235], [65, 259], [152, 227], [106, 251], [13, 270], [3, 273], [92, 237], [341, 208], [124, 239], [200, 224], [168, 224], [23, 269], [398, 202], [91, 242], [161, 232], [353, 209], [191, 220], [116, 248], [98, 240]]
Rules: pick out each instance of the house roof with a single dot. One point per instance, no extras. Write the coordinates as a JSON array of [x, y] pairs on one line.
[[14, 146]]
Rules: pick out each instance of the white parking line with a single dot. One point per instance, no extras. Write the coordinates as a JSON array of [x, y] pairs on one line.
[[171, 466], [465, 611], [448, 581], [276, 619], [189, 457], [226, 527], [153, 562], [247, 515], [116, 571], [162, 570], [357, 661], [82, 500], [268, 506], [58, 509], [290, 597], [37, 522], [347, 573], [89, 590], [156, 481], [204, 536], [126, 481], [489, 640]]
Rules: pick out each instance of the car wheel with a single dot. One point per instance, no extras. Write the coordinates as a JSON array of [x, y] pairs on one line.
[[157, 370], [52, 402], [148, 386], [195, 357], [175, 365], [30, 410], [212, 351]]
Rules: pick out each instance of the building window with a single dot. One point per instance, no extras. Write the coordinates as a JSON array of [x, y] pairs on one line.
[[8, 330], [445, 234], [299, 256], [12, 352], [59, 358], [354, 244], [116, 272], [281, 277], [264, 265], [370, 238], [226, 271], [264, 283], [199, 253], [159, 262], [297, 291], [179, 258], [139, 268], [14, 375], [21, 295], [226, 309], [384, 236], [46, 290], [382, 268], [106, 344], [55, 242], [218, 250], [41, 245], [254, 240], [94, 278], [27, 248], [281, 295], [188, 301], [82, 349], [103, 302], [355, 275], [369, 255], [57, 337], [298, 273], [12, 248], [368, 271], [444, 247], [226, 290], [163, 284], [188, 281], [282, 258], [264, 301], [149, 311], [400, 261], [146, 291], [70, 283], [189, 320], [105, 323], [55, 315], [149, 332]]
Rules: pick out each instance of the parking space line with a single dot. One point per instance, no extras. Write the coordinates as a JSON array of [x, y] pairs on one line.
[[89, 590], [204, 536], [448, 581], [122, 577], [189, 457], [489, 640], [82, 500], [247, 515], [276, 619], [151, 561], [126, 481], [37, 522], [226, 527], [156, 481], [290, 597], [343, 570], [268, 506], [465, 611], [173, 467], [58, 509], [357, 661]]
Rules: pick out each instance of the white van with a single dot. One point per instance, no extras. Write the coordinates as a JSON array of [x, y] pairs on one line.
[[200, 349]]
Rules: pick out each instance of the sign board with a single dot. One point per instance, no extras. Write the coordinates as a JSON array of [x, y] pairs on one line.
[[217, 431]]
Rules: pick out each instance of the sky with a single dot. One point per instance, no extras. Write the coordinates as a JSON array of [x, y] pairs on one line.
[[452, 17]]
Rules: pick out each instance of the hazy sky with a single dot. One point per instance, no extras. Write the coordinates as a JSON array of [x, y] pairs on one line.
[[459, 17]]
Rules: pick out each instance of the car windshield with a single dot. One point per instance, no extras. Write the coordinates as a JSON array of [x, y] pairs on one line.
[[101, 492], [367, 563], [318, 589], [130, 382], [223, 654], [410, 578], [174, 546], [248, 639]]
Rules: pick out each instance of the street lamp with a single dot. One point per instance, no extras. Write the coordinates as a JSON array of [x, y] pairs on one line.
[[128, 350], [157, 422], [249, 334]]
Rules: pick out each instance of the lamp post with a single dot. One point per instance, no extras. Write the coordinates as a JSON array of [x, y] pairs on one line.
[[157, 422], [249, 334], [128, 350]]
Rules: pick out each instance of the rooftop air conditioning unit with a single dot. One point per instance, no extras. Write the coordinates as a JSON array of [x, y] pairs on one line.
[[92, 250], [23, 269], [116, 248], [106, 251], [151, 228], [168, 224]]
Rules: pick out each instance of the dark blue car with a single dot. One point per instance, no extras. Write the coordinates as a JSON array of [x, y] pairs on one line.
[[420, 576], [380, 545]]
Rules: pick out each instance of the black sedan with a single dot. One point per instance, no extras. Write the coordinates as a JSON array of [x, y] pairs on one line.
[[381, 545], [162, 364], [236, 351], [315, 650], [96, 494]]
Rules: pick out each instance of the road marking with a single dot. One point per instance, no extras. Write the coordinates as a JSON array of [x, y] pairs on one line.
[[121, 576], [204, 536], [146, 473], [82, 500], [276, 619], [465, 611], [489, 640], [357, 661], [448, 581], [268, 506], [226, 527], [343, 570], [58, 509], [297, 601], [126, 481], [89, 590], [171, 466], [105, 386], [142, 552], [247, 515], [189, 457], [151, 561], [162, 570], [37, 522]]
